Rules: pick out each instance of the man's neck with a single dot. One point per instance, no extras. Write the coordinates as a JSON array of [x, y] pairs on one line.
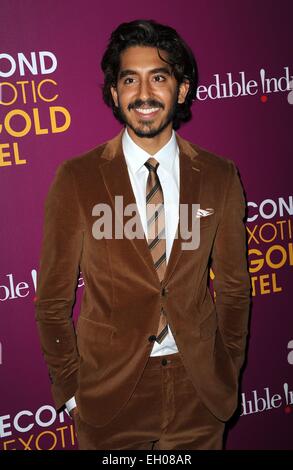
[[154, 144]]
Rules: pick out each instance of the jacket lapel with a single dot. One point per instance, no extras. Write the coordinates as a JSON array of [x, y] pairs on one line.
[[116, 178], [190, 178]]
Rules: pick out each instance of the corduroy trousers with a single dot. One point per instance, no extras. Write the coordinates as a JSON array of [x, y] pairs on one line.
[[163, 413]]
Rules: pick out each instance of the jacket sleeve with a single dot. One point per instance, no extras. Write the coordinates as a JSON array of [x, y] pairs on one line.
[[57, 281], [229, 263]]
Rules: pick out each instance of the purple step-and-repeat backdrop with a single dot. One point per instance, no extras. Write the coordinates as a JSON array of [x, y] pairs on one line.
[[51, 109]]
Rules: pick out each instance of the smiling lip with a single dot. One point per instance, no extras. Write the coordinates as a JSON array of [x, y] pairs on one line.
[[146, 112]]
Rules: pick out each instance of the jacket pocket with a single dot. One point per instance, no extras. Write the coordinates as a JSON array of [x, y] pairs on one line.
[[92, 331]]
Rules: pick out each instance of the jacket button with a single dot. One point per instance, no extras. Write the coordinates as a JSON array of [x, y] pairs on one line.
[[152, 338], [164, 291]]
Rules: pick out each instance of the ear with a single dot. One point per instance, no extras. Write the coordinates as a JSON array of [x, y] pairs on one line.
[[114, 95], [183, 90]]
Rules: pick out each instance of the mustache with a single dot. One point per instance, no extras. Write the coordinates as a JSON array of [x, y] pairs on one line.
[[151, 103]]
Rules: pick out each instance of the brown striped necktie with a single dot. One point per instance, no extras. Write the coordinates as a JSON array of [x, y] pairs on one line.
[[156, 231]]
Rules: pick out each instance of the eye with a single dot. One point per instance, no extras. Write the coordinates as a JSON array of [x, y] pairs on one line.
[[159, 78], [128, 81]]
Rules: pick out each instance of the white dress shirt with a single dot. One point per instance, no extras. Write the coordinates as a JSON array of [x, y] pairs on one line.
[[168, 173]]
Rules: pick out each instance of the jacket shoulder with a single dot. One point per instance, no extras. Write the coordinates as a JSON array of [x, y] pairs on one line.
[[206, 158], [84, 160], [213, 160]]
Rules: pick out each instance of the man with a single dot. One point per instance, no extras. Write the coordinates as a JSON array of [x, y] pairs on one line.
[[154, 362]]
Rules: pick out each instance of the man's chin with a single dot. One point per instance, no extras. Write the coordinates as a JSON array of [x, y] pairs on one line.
[[148, 132]]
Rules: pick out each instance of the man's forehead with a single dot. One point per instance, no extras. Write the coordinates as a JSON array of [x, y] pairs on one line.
[[143, 57]]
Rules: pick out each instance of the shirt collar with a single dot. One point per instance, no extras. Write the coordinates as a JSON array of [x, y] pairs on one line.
[[136, 157]]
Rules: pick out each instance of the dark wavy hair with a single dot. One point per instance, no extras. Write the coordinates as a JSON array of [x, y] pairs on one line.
[[152, 34]]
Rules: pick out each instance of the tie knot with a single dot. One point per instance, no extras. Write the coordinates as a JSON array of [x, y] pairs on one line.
[[152, 164]]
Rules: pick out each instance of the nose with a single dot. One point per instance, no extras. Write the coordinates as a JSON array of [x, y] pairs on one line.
[[144, 91]]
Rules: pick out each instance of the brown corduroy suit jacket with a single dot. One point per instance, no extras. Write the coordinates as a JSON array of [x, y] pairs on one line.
[[101, 361]]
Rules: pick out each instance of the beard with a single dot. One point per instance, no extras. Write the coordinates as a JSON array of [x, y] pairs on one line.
[[148, 131]]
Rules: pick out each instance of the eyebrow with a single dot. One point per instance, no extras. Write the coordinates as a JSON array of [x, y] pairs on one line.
[[127, 72]]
